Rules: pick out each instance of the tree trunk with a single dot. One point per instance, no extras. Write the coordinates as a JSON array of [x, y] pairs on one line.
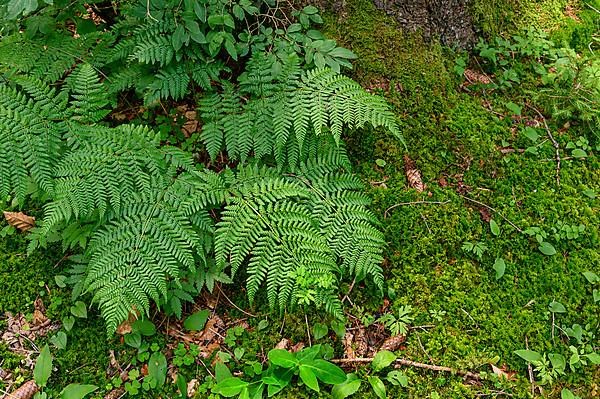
[[447, 20]]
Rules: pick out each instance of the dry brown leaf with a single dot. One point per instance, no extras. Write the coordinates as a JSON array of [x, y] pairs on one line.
[[476, 77], [115, 393], [362, 344], [25, 391], [192, 387], [283, 344], [413, 175], [393, 343], [503, 372], [20, 220], [298, 347], [348, 349]]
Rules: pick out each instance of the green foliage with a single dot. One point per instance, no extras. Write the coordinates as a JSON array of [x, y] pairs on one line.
[[278, 111], [141, 212], [567, 86], [307, 364]]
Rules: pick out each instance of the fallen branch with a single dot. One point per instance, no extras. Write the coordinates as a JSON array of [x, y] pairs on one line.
[[410, 363], [385, 214], [554, 143], [493, 210]]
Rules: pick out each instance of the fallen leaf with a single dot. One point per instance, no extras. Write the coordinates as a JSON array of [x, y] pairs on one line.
[[25, 391], [298, 347], [349, 352], [393, 343], [192, 387], [503, 372], [115, 394], [283, 344], [20, 220], [413, 175], [476, 77]]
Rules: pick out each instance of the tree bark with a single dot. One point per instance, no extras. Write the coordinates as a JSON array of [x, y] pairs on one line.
[[447, 20]]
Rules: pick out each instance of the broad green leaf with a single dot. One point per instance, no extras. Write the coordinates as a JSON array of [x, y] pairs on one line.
[[144, 327], [230, 387], [339, 328], [310, 10], [378, 387], [579, 153], [282, 358], [327, 372], [196, 321], [396, 377], [309, 378], [68, 322], [77, 391], [60, 281], [546, 248], [531, 134], [157, 368], [558, 361], [133, 339], [529, 356], [16, 7], [319, 330], [306, 355], [340, 52], [596, 295], [43, 367], [222, 372], [347, 388], [567, 394], [179, 37], [591, 277], [499, 267], [514, 108], [79, 310], [494, 228], [593, 357], [557, 307], [382, 359], [59, 340]]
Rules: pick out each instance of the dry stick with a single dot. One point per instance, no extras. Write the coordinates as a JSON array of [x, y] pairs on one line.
[[530, 371], [493, 210], [233, 304], [554, 142], [410, 363], [385, 214]]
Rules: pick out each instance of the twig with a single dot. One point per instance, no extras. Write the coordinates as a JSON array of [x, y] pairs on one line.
[[493, 210], [385, 214], [423, 348], [554, 142], [410, 363], [530, 370], [349, 291], [307, 330], [233, 304]]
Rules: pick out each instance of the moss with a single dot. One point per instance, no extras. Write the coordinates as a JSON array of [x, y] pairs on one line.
[[494, 18], [454, 139]]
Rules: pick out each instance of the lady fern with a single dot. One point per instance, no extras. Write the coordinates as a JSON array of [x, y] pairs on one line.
[[153, 227], [282, 114]]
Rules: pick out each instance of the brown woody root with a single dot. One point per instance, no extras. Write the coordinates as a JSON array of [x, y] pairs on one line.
[[410, 363]]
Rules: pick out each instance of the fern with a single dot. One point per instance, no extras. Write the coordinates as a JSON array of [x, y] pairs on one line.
[[299, 233], [31, 138], [285, 112], [131, 259]]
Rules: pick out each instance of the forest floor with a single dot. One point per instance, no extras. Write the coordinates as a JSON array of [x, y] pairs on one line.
[[481, 190]]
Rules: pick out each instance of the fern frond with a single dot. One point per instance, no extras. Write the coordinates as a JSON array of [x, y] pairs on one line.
[[283, 115], [90, 100]]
